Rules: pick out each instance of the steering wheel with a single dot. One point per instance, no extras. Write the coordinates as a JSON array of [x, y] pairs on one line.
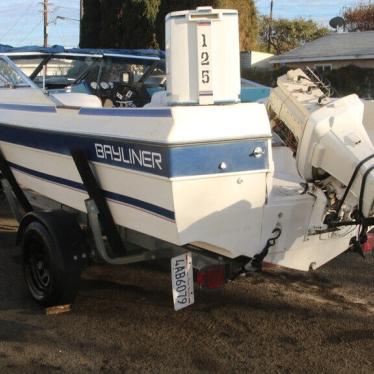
[[129, 95]]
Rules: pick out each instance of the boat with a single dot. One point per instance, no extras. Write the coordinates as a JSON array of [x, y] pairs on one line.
[[184, 164], [98, 71]]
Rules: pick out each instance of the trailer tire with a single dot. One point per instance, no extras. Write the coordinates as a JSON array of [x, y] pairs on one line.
[[52, 247]]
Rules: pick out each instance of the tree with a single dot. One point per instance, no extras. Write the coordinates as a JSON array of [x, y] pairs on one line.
[[248, 22], [352, 79], [141, 23], [247, 17], [90, 24], [287, 34], [359, 17], [128, 23], [119, 23]]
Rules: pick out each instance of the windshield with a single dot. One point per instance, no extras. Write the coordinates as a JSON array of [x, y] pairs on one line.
[[10, 76], [117, 80], [65, 70], [157, 76], [124, 70]]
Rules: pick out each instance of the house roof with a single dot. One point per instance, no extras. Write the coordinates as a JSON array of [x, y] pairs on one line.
[[335, 46]]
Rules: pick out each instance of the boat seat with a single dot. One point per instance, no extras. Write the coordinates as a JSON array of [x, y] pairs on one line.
[[75, 99], [158, 99]]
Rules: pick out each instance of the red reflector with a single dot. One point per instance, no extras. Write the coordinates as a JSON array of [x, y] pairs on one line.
[[211, 277], [368, 246]]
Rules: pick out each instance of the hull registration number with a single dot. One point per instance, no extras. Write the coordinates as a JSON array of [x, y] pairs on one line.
[[182, 281]]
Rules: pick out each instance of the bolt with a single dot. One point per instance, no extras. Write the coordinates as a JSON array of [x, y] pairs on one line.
[[222, 166]]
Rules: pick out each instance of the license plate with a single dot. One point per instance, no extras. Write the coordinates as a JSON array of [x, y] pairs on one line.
[[182, 281]]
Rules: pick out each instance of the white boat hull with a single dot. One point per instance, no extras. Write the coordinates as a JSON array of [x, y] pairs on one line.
[[176, 192]]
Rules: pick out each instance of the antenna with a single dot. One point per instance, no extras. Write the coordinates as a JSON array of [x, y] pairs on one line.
[[337, 22]]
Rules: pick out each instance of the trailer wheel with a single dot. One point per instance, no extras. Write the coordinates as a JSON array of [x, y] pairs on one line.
[[52, 258]]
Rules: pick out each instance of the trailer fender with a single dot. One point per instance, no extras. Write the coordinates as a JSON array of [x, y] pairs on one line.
[[68, 237]]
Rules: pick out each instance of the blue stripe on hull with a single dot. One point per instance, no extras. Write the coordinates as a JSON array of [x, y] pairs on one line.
[[118, 112], [29, 108], [123, 112], [127, 200], [163, 160]]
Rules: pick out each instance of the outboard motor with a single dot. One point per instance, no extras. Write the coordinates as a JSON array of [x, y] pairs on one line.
[[333, 149]]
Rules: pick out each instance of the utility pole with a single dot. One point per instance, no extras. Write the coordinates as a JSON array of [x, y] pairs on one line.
[[81, 10], [81, 14], [270, 24], [45, 34], [45, 28]]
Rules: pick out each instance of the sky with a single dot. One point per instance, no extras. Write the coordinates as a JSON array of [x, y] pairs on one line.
[[320, 11], [21, 21]]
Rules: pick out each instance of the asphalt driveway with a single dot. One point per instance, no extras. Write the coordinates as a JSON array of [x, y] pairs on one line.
[[123, 321]]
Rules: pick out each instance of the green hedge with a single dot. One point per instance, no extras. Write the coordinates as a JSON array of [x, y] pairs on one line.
[[352, 79], [265, 77]]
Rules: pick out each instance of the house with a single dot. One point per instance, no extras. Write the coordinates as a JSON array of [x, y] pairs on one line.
[[333, 51], [255, 60]]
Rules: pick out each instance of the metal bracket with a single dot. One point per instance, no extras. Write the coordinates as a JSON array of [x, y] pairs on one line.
[[349, 186], [93, 218], [15, 207]]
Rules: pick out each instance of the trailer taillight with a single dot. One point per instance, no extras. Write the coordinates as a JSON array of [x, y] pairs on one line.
[[368, 246], [211, 277]]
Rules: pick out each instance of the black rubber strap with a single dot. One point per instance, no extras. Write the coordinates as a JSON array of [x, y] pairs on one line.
[[8, 174], [96, 194]]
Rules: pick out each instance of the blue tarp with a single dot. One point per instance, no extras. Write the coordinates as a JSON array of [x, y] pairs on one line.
[[31, 48], [100, 51], [111, 51], [253, 91], [253, 94]]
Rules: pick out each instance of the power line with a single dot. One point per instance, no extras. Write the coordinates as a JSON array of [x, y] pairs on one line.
[[14, 6], [19, 24], [30, 33], [60, 35], [17, 21], [68, 7]]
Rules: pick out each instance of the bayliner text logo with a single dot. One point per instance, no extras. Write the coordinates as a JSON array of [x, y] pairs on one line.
[[130, 156]]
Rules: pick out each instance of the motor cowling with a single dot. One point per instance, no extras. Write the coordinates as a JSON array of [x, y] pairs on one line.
[[329, 138]]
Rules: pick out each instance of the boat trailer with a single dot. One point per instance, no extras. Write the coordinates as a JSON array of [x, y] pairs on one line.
[[55, 245]]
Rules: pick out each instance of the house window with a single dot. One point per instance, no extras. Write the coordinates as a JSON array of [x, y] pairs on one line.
[[322, 68]]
